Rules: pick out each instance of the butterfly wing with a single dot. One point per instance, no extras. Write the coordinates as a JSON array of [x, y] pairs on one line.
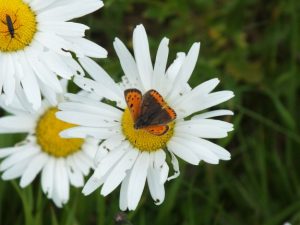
[[154, 111], [133, 99], [157, 130]]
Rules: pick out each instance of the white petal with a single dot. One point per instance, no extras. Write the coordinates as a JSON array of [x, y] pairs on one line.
[[156, 188], [17, 124], [48, 177], [214, 113], [86, 119], [18, 157], [199, 91], [46, 76], [9, 84], [164, 173], [53, 42], [183, 152], [74, 174], [63, 28], [81, 162], [159, 158], [97, 108], [30, 86], [71, 10], [35, 166], [142, 56], [38, 5], [55, 64], [83, 132], [174, 68], [4, 152], [16, 170], [175, 164], [186, 69], [107, 146], [137, 180], [84, 47], [100, 75], [160, 64], [193, 145], [109, 161], [216, 149], [91, 185], [97, 88], [118, 173], [123, 203], [204, 129], [62, 181], [195, 105], [128, 64]]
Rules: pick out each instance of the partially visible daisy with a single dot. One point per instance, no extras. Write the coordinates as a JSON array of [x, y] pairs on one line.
[[61, 162], [36, 42], [136, 140]]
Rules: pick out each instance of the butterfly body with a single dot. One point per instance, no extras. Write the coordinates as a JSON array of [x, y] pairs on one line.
[[149, 111]]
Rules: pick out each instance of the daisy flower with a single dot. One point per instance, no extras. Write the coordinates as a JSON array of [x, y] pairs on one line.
[[149, 125], [61, 162], [36, 42]]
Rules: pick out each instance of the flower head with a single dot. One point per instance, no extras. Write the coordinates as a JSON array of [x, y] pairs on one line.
[[61, 162], [151, 119], [36, 42]]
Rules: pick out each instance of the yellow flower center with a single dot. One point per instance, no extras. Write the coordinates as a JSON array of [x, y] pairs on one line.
[[17, 25], [141, 139], [47, 133]]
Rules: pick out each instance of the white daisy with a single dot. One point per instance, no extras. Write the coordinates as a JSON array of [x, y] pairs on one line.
[[36, 41], [131, 153], [61, 162]]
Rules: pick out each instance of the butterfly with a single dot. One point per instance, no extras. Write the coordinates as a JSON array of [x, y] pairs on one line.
[[149, 111]]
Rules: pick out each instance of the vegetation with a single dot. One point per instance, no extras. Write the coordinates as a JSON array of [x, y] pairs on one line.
[[254, 48]]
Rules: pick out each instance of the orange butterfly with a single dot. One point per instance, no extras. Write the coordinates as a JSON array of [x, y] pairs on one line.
[[149, 111]]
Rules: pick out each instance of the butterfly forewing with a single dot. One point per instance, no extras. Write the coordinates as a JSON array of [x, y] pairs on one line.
[[133, 99]]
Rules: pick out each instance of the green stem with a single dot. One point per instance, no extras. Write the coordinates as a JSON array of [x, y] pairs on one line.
[[26, 198]]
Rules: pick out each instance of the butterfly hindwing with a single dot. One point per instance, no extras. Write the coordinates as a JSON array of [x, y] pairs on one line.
[[133, 99], [154, 111], [157, 130]]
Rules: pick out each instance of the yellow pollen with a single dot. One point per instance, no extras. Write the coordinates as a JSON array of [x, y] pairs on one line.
[[141, 139], [17, 25], [47, 133]]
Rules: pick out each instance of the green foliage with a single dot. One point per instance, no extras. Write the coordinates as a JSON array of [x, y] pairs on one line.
[[253, 47]]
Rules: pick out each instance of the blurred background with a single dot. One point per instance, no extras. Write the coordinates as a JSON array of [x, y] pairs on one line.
[[254, 48]]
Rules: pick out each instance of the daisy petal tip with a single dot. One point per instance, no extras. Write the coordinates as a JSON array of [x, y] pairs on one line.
[[60, 115], [23, 184], [85, 191], [116, 41], [158, 202], [196, 46], [104, 193], [101, 3], [140, 27], [64, 134], [166, 41], [4, 177]]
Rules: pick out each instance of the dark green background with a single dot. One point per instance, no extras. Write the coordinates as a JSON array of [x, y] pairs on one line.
[[253, 47]]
